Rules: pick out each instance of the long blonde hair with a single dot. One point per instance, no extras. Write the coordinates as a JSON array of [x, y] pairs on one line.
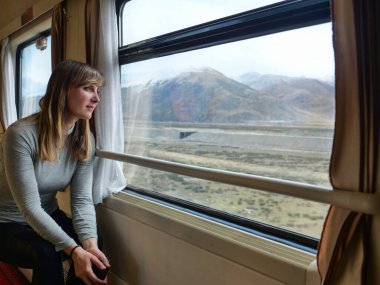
[[67, 75]]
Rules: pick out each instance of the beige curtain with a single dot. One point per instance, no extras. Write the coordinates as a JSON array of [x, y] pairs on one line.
[[91, 36], [2, 124], [58, 34], [91, 30], [347, 241]]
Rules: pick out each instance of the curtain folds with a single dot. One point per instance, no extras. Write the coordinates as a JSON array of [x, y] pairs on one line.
[[346, 243], [8, 106], [58, 34], [108, 174], [92, 30]]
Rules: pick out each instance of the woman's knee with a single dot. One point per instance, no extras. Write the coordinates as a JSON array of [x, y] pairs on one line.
[[47, 251]]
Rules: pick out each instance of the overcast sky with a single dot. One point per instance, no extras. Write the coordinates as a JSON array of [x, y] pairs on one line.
[[304, 52]]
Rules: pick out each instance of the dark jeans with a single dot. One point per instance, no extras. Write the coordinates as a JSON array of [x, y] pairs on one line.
[[21, 246]]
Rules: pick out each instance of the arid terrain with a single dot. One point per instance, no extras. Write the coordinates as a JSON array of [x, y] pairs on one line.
[[292, 153]]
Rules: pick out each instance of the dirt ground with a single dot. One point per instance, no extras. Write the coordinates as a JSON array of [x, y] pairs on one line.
[[293, 214]]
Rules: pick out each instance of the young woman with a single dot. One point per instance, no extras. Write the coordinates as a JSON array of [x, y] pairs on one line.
[[42, 154]]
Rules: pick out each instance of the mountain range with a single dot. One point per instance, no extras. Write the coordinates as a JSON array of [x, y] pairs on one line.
[[208, 96]]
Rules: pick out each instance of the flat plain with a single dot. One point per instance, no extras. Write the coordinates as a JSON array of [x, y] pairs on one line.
[[288, 152]]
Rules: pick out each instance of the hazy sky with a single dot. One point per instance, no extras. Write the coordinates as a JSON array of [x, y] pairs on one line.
[[304, 52]]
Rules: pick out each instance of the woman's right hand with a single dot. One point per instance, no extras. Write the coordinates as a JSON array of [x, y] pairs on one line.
[[83, 260]]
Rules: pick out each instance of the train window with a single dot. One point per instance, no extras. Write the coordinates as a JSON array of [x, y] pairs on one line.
[[33, 72], [249, 99], [190, 13]]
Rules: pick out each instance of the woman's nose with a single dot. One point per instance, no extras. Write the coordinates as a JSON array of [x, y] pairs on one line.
[[95, 98]]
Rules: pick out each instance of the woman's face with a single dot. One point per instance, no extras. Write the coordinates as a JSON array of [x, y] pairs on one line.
[[81, 102]]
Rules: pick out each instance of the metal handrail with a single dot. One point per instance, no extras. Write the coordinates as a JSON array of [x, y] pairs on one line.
[[356, 201]]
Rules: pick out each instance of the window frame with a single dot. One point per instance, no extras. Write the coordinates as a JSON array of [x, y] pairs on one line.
[[18, 81], [250, 24], [274, 18]]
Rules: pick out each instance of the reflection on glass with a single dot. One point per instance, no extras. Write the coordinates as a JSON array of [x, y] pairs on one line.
[[263, 106], [164, 16], [35, 73]]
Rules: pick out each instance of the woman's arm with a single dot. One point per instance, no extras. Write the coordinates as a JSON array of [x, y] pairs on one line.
[[82, 205], [84, 220]]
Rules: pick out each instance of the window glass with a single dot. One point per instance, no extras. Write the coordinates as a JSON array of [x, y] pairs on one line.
[[263, 106], [158, 19], [293, 214], [35, 70]]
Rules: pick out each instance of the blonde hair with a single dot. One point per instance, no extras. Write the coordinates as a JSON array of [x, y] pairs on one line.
[[67, 75]]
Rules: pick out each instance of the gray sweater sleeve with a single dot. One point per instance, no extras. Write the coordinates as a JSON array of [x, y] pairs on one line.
[[82, 206], [20, 147]]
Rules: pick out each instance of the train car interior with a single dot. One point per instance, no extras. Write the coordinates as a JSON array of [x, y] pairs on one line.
[[237, 142]]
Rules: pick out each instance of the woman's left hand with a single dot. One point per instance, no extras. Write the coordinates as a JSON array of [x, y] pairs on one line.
[[91, 245], [100, 255], [98, 259]]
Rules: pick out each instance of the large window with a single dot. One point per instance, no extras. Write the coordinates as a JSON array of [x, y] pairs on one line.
[[33, 72], [251, 92]]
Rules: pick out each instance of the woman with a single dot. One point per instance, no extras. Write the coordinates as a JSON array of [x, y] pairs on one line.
[[42, 154]]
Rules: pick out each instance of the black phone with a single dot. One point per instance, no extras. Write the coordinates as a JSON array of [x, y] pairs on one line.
[[100, 273]]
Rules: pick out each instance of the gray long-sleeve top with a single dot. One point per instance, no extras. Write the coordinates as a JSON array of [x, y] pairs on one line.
[[28, 186]]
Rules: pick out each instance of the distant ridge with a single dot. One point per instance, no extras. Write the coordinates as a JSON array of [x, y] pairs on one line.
[[304, 94], [208, 96]]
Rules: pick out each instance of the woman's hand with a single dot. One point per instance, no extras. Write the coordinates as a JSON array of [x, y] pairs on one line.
[[91, 245], [84, 258]]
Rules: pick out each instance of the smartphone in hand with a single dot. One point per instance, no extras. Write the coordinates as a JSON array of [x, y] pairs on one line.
[[100, 273]]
